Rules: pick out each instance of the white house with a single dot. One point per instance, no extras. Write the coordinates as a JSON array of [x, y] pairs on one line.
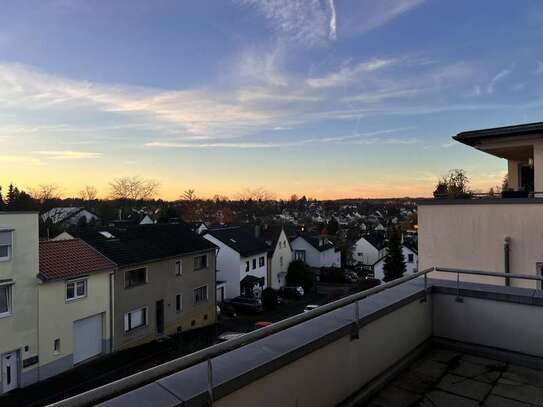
[[279, 255], [241, 261], [370, 248], [316, 251], [69, 216], [411, 262]]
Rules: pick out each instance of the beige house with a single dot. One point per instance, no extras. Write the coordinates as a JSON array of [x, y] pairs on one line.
[[498, 233], [74, 301], [165, 282], [18, 300]]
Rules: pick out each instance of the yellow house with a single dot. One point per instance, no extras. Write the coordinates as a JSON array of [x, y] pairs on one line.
[[74, 302], [18, 300]]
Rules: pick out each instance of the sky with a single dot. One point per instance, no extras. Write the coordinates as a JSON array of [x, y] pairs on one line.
[[324, 98]]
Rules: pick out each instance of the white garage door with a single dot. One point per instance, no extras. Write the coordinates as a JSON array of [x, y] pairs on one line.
[[87, 338]]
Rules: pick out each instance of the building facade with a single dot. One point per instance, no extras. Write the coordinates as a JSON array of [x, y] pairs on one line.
[[19, 354]]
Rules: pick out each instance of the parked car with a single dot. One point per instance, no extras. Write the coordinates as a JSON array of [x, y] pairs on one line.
[[246, 304], [310, 307], [263, 324], [291, 292]]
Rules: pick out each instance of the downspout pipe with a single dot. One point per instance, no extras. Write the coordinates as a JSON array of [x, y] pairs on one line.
[[506, 262]]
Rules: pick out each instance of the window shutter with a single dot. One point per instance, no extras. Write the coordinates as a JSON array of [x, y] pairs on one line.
[[5, 237]]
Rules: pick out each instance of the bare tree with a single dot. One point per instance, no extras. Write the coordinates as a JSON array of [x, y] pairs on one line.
[[294, 198], [88, 193], [189, 195], [256, 194], [220, 198], [45, 192], [133, 188]]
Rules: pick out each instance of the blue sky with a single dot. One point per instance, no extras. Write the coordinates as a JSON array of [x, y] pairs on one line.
[[328, 98]]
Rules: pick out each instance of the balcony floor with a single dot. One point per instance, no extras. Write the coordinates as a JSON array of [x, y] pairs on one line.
[[442, 378]]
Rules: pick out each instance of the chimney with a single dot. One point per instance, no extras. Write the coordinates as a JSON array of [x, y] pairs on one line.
[[257, 231], [120, 214]]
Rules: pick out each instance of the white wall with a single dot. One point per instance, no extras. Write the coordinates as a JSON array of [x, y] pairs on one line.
[[228, 266], [365, 253], [410, 268], [259, 271], [278, 271], [471, 236], [315, 258]]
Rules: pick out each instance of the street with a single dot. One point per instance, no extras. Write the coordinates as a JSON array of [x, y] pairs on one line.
[[121, 364]]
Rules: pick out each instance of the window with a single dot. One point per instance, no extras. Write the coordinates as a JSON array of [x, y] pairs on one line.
[[247, 266], [133, 278], [281, 261], [261, 261], [178, 268], [5, 245], [76, 289], [56, 346], [200, 294], [5, 300], [299, 255], [135, 319], [254, 264], [410, 258], [178, 303], [200, 262]]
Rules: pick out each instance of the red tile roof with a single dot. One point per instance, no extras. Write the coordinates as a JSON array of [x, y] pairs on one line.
[[63, 259]]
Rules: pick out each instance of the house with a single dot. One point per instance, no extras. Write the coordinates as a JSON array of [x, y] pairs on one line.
[[241, 261], [19, 354], [315, 251], [370, 248], [500, 232], [411, 262], [67, 217], [164, 283], [75, 317], [279, 254]]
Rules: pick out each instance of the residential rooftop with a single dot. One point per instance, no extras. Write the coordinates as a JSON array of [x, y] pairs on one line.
[[474, 137], [410, 342], [133, 244]]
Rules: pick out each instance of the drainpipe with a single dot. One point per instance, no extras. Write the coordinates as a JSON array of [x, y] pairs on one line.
[[506, 242]]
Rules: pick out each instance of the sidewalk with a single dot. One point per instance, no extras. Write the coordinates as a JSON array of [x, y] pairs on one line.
[[109, 368]]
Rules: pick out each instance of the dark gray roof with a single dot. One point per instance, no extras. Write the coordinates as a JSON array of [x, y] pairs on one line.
[[241, 240], [473, 137], [314, 240], [377, 239], [135, 244]]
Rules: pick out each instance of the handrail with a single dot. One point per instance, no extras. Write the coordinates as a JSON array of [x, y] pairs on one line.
[[147, 376]]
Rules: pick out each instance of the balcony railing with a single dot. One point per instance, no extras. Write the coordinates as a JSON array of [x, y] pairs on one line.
[[495, 195], [206, 355]]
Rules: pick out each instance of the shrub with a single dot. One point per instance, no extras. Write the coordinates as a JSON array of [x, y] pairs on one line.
[[299, 274], [269, 298]]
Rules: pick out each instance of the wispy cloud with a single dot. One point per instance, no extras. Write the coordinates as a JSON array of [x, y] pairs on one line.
[[19, 159], [500, 76], [349, 73], [174, 145], [333, 24], [69, 155]]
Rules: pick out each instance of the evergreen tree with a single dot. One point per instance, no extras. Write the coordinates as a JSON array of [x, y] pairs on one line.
[[2, 203], [394, 266]]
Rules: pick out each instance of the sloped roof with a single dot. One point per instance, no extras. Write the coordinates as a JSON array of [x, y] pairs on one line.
[[63, 259], [314, 240], [376, 239], [60, 214], [135, 244], [241, 240], [473, 137]]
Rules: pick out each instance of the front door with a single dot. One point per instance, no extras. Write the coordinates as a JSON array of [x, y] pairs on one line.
[[10, 377], [160, 317]]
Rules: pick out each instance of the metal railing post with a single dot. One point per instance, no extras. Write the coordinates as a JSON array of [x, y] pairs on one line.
[[355, 334], [425, 288], [458, 298], [209, 382]]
